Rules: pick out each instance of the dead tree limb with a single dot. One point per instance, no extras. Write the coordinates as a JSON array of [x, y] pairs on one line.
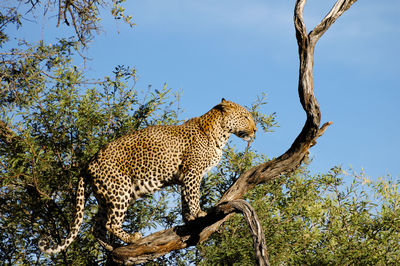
[[197, 231], [256, 230], [191, 234]]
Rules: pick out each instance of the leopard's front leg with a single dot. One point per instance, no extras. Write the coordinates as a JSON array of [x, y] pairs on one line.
[[191, 198]]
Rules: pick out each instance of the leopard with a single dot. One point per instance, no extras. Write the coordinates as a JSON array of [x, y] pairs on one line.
[[146, 160]]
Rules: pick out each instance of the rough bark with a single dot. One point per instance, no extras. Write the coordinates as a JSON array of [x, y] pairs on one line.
[[256, 230], [197, 231]]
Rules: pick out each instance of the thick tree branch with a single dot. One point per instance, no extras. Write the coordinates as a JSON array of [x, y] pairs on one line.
[[179, 237], [162, 242]]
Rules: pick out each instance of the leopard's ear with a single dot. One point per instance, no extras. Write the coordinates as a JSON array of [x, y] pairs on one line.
[[224, 105]]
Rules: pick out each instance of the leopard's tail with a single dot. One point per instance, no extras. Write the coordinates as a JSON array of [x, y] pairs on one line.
[[44, 244]]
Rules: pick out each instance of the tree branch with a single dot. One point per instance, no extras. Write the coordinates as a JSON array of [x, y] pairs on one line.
[[197, 231], [255, 228], [193, 232], [337, 10]]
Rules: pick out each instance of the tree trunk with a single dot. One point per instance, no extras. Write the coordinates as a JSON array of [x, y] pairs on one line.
[[197, 231]]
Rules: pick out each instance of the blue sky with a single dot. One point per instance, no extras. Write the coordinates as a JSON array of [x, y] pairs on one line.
[[239, 49]]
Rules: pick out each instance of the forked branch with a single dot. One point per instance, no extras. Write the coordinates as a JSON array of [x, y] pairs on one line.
[[179, 237], [337, 10]]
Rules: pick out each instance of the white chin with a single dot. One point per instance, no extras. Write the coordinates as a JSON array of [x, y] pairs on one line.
[[247, 138]]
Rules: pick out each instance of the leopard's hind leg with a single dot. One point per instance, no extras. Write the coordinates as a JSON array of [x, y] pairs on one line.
[[116, 211], [99, 230]]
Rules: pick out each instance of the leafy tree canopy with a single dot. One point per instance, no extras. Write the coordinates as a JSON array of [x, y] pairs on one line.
[[53, 120], [84, 16]]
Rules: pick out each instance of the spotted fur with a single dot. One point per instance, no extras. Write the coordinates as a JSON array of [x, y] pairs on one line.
[[154, 157]]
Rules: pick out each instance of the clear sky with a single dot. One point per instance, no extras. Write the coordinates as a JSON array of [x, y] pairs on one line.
[[239, 49]]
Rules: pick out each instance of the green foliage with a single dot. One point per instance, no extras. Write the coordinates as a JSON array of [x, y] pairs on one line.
[[8, 15], [53, 120], [316, 220], [119, 12], [83, 17], [60, 121], [267, 122]]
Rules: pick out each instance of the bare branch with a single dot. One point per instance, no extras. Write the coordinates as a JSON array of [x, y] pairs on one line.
[[197, 231], [300, 26], [256, 230], [162, 242], [179, 237], [337, 10]]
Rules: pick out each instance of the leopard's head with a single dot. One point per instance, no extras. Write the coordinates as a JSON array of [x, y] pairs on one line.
[[238, 120]]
